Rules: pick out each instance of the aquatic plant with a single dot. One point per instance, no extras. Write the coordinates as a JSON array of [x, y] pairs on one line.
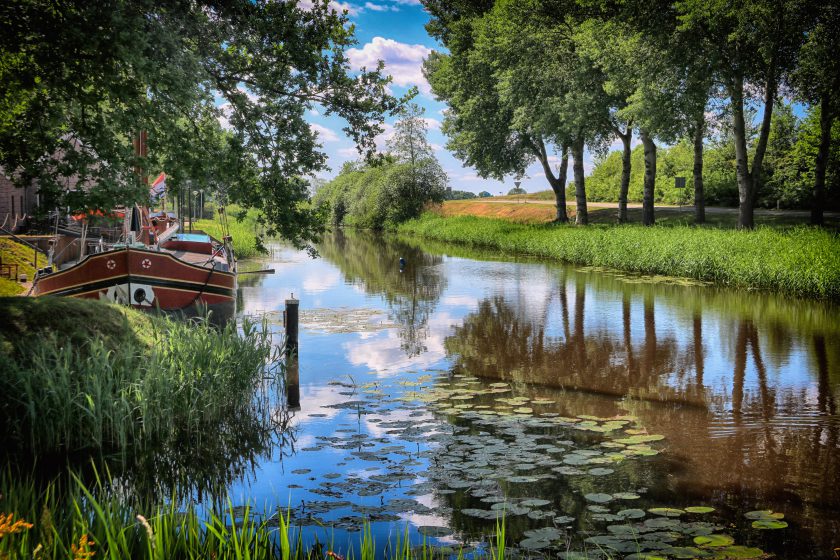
[[157, 380], [800, 261]]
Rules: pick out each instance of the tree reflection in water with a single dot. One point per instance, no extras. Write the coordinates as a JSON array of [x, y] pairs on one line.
[[412, 292], [760, 437]]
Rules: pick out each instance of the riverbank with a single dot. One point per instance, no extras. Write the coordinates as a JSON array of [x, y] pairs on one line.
[[244, 231], [14, 253], [803, 262], [80, 376]]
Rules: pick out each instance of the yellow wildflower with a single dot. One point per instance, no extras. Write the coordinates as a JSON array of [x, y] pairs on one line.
[[9, 527], [82, 551]]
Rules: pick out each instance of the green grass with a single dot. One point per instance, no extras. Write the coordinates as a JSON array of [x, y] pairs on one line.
[[800, 261], [245, 232], [12, 252], [84, 376], [67, 513]]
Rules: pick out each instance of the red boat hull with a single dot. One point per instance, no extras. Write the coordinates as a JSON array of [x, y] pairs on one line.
[[144, 279]]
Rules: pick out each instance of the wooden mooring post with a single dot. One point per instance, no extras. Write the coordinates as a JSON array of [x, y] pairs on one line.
[[290, 321]]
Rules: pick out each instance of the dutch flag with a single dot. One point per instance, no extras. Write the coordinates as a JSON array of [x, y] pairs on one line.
[[158, 187]]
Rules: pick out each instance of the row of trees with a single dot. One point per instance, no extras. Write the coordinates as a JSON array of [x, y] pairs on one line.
[[788, 173], [526, 79], [221, 88], [395, 188]]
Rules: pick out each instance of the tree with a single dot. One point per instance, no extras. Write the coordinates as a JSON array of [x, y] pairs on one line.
[[753, 46], [500, 119], [425, 180], [82, 78], [817, 80]]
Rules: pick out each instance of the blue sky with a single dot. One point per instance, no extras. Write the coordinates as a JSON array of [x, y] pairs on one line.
[[394, 31]]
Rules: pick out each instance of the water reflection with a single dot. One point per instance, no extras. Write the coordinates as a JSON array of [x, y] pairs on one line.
[[745, 398], [409, 279], [743, 387]]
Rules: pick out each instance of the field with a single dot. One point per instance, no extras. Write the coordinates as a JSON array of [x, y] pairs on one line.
[[537, 208], [244, 232]]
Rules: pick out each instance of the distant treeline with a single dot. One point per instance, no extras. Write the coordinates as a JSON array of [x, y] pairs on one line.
[[788, 168]]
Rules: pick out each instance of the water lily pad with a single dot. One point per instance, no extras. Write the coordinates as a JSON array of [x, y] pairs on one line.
[[599, 498], [434, 531], [764, 514], [645, 556], [685, 552], [534, 502], [740, 552], [667, 512], [632, 440], [626, 496], [699, 509], [769, 524], [563, 520], [533, 543], [713, 540], [600, 471], [631, 513]]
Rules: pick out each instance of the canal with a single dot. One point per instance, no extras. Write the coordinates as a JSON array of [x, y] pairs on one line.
[[596, 413]]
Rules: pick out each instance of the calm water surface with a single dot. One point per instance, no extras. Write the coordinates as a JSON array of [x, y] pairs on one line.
[[572, 401]]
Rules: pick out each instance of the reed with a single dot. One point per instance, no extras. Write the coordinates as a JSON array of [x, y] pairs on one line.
[[244, 228], [154, 379], [801, 261], [67, 519]]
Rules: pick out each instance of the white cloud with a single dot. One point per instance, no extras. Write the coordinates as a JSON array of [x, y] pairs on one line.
[[380, 7], [437, 147], [314, 112], [352, 10], [382, 139], [348, 152], [324, 134], [432, 124], [403, 62]]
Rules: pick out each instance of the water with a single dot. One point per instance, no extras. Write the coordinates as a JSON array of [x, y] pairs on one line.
[[438, 396]]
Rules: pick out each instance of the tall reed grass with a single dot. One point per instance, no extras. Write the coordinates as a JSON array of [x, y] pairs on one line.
[[158, 379], [244, 229], [68, 519], [801, 261]]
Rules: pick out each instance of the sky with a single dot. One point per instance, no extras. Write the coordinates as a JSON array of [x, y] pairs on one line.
[[394, 31]]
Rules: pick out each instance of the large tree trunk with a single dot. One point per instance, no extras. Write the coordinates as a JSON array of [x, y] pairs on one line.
[[749, 179], [582, 217], [818, 200], [745, 197], [625, 174], [558, 184], [650, 177], [699, 199]]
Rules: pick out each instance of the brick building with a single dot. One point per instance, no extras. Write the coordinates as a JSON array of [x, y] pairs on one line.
[[15, 203]]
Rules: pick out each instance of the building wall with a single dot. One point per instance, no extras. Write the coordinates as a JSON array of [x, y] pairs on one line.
[[15, 203]]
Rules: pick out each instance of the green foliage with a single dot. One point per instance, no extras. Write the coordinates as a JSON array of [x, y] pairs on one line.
[[390, 191], [484, 194], [788, 169], [459, 195], [83, 78], [147, 380], [245, 228], [800, 261], [517, 190], [68, 512]]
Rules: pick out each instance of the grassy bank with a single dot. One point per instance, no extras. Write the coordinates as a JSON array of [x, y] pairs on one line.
[[244, 231], [12, 252], [800, 261], [83, 376], [68, 520]]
